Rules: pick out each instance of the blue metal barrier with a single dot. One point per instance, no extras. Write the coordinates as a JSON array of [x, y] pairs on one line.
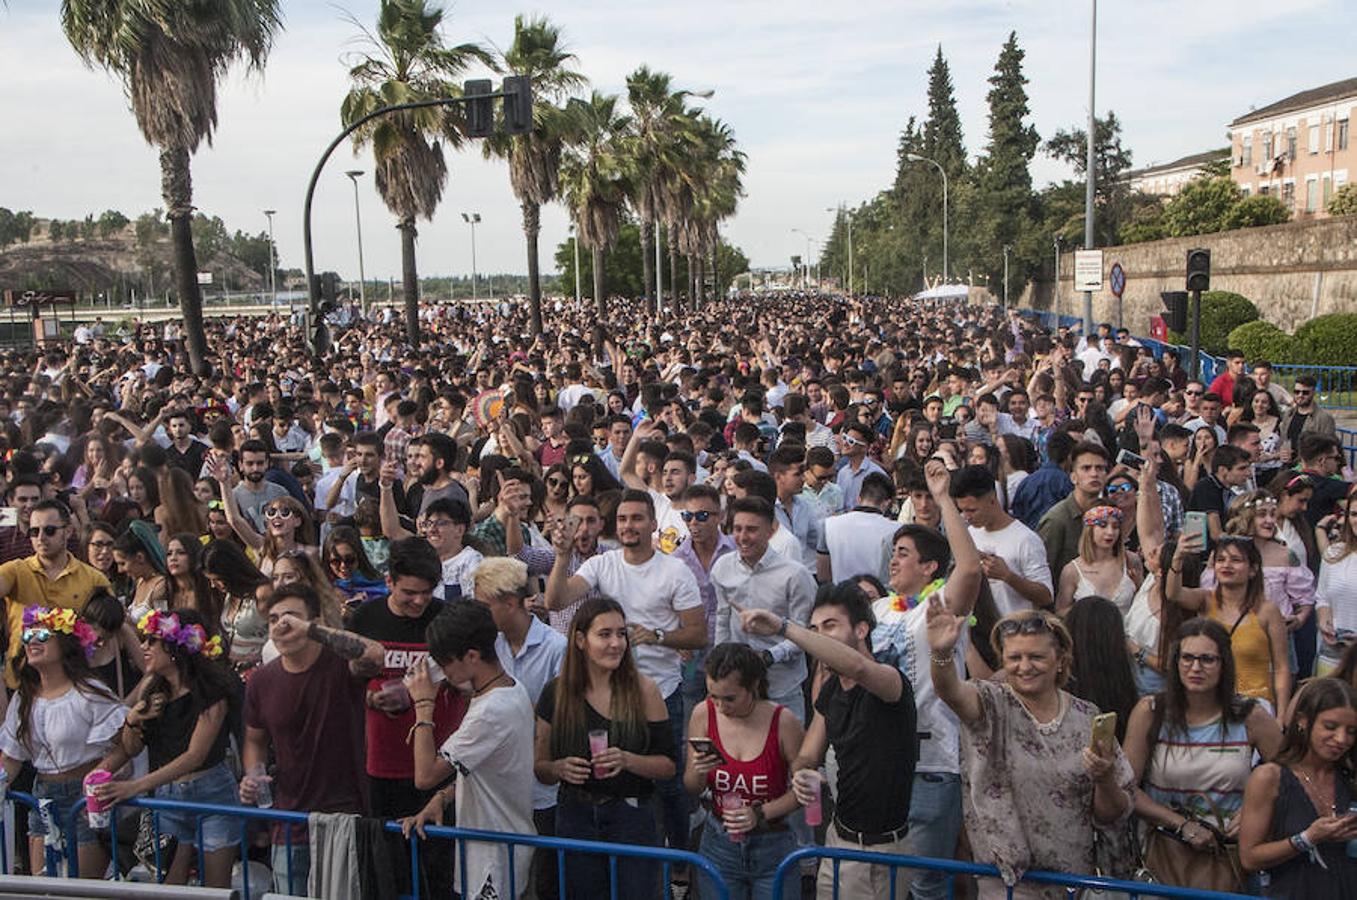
[[460, 837], [956, 868], [52, 856], [1335, 386], [1349, 439]]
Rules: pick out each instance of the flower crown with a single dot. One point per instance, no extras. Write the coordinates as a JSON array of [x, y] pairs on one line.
[[1104, 513], [168, 628], [63, 621]]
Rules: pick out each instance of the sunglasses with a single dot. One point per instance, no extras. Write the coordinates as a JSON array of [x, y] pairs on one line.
[[557, 482], [216, 506], [1205, 660], [41, 635], [1121, 488], [279, 512], [343, 559], [1026, 625], [701, 515], [1193, 393], [852, 441], [580, 459], [45, 530]]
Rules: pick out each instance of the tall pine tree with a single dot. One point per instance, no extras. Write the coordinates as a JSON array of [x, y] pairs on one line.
[[1004, 203]]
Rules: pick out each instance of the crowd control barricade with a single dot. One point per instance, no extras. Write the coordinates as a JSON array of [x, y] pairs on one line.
[[51, 851], [1335, 386], [713, 885], [1348, 437], [1074, 885]]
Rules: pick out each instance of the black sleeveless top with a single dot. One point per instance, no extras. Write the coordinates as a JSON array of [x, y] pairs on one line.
[[1299, 877], [168, 735]]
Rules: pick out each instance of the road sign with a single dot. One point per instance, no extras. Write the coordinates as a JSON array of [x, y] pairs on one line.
[[40, 298], [204, 277], [1088, 270], [1117, 279]]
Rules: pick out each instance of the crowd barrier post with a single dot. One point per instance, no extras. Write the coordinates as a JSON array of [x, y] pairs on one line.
[[52, 855], [1073, 884]]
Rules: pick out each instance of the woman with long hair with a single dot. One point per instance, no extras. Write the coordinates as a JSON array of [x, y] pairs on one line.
[[589, 477], [181, 718], [1297, 814], [1017, 460], [1152, 620], [1198, 464], [61, 719], [179, 509], [241, 586], [556, 480], [351, 573], [1101, 669], [141, 559], [116, 660], [1192, 747], [189, 585], [1336, 595], [606, 794], [144, 491], [1104, 567], [1262, 410], [287, 527], [747, 780], [300, 566], [99, 468], [1293, 491], [219, 528], [99, 540]]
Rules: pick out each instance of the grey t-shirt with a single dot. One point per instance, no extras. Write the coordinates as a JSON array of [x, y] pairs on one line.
[[252, 503]]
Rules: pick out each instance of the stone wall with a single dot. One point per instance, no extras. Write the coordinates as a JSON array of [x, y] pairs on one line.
[[1291, 272]]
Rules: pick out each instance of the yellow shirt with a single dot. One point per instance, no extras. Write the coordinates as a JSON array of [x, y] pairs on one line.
[[30, 586]]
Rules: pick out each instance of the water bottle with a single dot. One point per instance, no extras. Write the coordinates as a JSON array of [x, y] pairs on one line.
[[263, 786]]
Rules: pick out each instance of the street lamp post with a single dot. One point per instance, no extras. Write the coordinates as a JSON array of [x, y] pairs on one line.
[[914, 157], [848, 216], [1055, 301], [1090, 178], [805, 260], [354, 175], [575, 241], [1007, 248], [273, 261], [473, 219]]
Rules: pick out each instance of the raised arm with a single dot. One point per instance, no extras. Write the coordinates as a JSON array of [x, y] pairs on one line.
[[563, 588], [391, 520], [226, 477], [1190, 599], [944, 630], [645, 430], [880, 679], [1149, 507], [963, 586]]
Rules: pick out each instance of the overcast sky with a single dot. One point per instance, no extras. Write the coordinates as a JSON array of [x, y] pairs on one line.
[[816, 93]]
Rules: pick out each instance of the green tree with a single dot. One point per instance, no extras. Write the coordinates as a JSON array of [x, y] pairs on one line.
[[111, 222], [1005, 200], [713, 186], [1344, 201], [1201, 207], [596, 173], [56, 230], [170, 57], [535, 157], [1110, 161], [255, 251], [15, 227], [210, 237], [1259, 209], [918, 185], [409, 61]]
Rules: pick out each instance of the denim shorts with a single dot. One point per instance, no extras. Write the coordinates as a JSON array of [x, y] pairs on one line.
[[216, 786], [63, 795]]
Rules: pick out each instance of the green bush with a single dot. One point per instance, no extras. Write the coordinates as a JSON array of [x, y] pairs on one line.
[[1222, 313], [1263, 340], [1344, 201], [1328, 340], [1260, 209]]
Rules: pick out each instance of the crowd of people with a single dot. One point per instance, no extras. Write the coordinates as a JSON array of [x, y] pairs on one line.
[[907, 577]]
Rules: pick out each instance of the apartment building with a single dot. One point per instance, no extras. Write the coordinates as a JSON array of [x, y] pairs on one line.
[[1297, 149], [1167, 179]]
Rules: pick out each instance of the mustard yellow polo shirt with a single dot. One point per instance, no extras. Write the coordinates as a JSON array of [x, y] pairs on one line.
[[32, 587]]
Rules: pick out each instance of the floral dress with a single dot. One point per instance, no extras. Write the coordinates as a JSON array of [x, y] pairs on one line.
[[1027, 799]]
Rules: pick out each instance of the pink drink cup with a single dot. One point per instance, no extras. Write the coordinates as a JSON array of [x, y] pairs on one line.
[[598, 742], [98, 814], [815, 811], [731, 803]]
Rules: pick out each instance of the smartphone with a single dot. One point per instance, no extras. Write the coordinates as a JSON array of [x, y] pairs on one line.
[[706, 745], [9, 516], [1130, 460], [571, 524], [1196, 522], [1104, 730], [947, 430]]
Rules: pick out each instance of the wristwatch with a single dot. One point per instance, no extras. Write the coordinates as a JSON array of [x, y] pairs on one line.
[[659, 635], [767, 657]]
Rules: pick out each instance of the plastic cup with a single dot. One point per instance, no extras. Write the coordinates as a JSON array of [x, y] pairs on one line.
[[96, 811], [731, 803], [263, 786], [815, 810], [598, 742], [395, 689]]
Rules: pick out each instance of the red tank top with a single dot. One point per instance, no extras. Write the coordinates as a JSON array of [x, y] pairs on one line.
[[763, 778]]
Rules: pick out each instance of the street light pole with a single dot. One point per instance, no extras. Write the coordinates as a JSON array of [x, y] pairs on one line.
[[1007, 247], [472, 219], [273, 260], [575, 240], [914, 157], [848, 217], [805, 260], [1091, 178], [354, 175], [1055, 300]]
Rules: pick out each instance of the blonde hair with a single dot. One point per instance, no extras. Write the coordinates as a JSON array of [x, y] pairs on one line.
[[1086, 542], [1244, 509], [500, 575], [1016, 623]]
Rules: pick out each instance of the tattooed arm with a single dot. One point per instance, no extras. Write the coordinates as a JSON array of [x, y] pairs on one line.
[[366, 657]]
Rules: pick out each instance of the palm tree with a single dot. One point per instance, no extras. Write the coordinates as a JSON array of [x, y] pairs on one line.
[[717, 194], [169, 57], [662, 125], [535, 157], [596, 173], [409, 62]]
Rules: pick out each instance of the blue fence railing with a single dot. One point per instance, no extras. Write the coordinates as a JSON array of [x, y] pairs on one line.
[[1349, 440], [1074, 885], [713, 886], [51, 849]]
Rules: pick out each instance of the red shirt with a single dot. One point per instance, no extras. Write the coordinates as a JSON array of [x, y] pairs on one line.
[[763, 778]]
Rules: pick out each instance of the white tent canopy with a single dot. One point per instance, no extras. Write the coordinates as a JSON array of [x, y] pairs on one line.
[[944, 292]]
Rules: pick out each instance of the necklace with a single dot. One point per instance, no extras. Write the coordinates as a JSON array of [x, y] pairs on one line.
[[485, 687], [1315, 791]]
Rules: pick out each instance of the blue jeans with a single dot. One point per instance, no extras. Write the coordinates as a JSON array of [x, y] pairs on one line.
[[301, 868], [216, 786], [618, 822], [673, 798], [694, 682], [748, 866], [934, 824]]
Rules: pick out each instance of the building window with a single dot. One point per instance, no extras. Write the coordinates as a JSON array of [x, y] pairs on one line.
[[1311, 195], [1289, 195], [1267, 148], [1342, 134], [1328, 190], [1313, 146], [1291, 143], [1263, 190], [1246, 154], [1244, 191]]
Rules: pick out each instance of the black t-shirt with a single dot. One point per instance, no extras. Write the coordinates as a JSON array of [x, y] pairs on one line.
[[877, 745], [659, 739], [190, 460], [168, 734], [1208, 496]]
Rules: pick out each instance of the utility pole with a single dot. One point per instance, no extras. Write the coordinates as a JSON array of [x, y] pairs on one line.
[[1007, 247], [473, 219], [1055, 281], [1090, 179], [354, 175], [914, 157], [273, 260], [659, 274], [575, 240]]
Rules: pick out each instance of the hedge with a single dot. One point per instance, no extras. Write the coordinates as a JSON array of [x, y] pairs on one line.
[[1263, 340], [1222, 313], [1328, 340]]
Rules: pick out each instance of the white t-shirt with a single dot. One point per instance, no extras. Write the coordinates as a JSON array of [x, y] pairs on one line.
[[905, 636], [652, 595], [785, 543], [858, 543], [1022, 549], [461, 570], [492, 752], [668, 522]]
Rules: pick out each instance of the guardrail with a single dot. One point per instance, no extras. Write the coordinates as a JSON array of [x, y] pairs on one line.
[[954, 869], [1336, 386], [1348, 437], [665, 858], [53, 858]]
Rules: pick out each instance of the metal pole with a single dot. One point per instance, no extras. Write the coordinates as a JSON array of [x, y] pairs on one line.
[[354, 175], [1007, 247], [1194, 333], [575, 239], [1055, 282], [946, 271], [850, 254], [273, 261], [659, 266], [1091, 178]]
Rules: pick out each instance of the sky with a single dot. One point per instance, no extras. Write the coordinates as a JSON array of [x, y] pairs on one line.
[[815, 92]]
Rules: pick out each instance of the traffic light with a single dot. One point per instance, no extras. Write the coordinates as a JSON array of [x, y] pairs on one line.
[[1176, 304], [517, 104], [1199, 270], [480, 109]]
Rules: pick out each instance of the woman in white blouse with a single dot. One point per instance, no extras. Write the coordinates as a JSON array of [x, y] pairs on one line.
[[1336, 595], [61, 719]]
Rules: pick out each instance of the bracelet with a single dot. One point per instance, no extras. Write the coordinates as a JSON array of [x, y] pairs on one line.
[[410, 735], [782, 629], [1305, 847], [1141, 655], [944, 659], [425, 702]]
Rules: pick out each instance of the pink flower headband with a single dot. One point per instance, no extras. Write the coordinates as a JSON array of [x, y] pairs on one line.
[[1101, 515], [63, 621], [168, 628]]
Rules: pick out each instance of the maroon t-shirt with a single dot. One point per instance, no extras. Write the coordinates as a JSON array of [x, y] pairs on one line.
[[314, 720]]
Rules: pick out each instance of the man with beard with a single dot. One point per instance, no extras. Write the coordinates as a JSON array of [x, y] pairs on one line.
[[184, 450], [362, 477], [253, 493], [433, 461]]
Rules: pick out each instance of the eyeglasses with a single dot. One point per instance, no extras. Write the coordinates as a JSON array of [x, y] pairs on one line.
[[41, 635], [343, 559], [216, 506], [279, 512], [701, 515], [1205, 660], [436, 524], [557, 482], [100, 545], [1120, 488], [44, 530]]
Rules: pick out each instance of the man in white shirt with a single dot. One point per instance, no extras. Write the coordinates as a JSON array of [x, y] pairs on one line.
[[664, 615], [855, 439], [858, 542], [1016, 420], [649, 466], [1012, 555]]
